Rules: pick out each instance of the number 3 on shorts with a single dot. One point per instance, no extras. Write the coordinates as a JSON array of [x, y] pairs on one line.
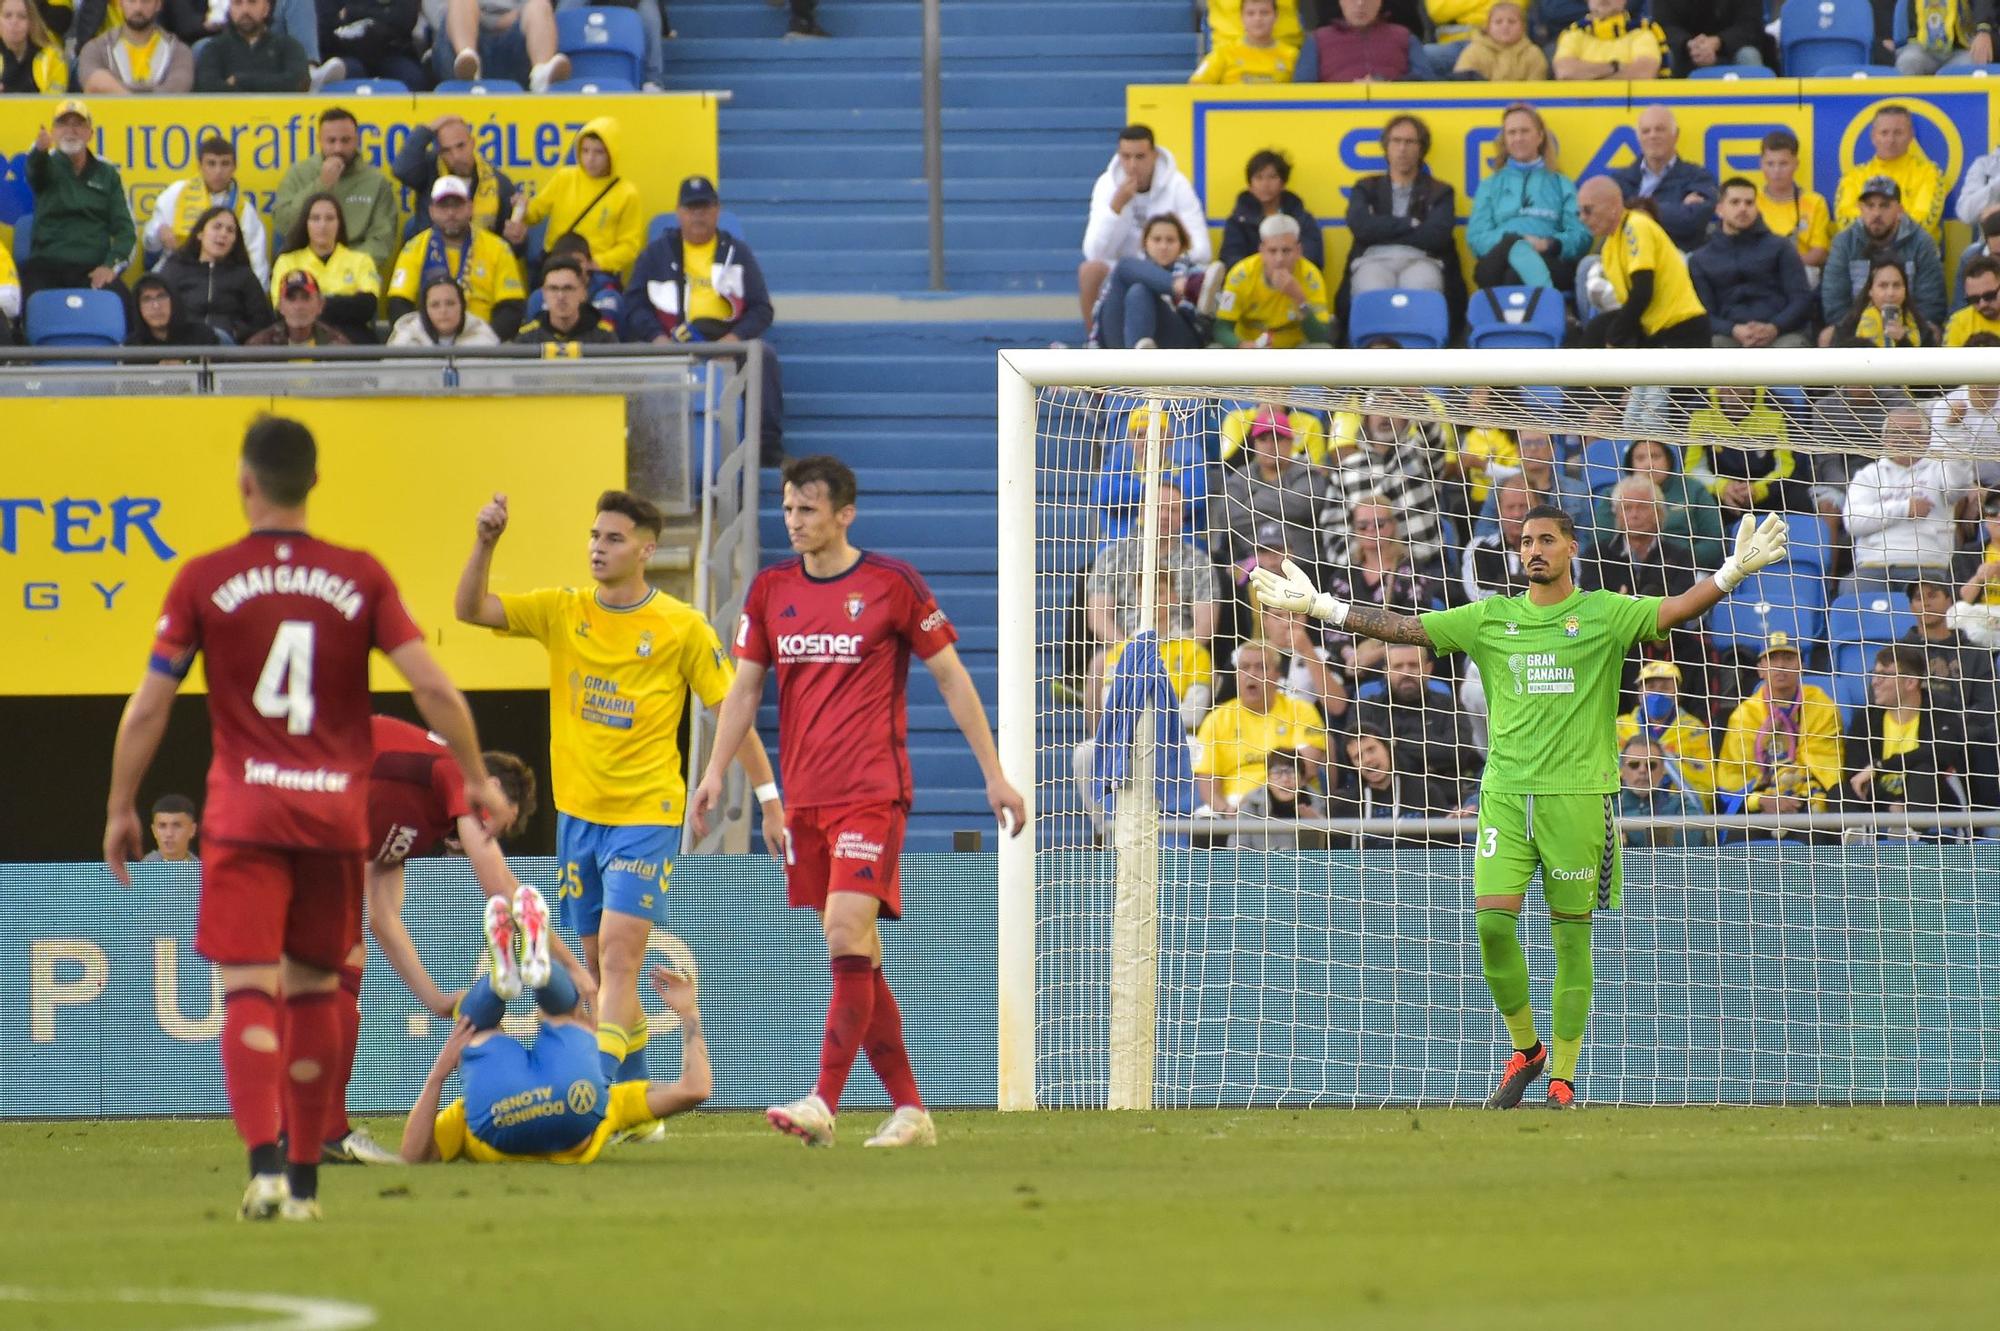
[[1489, 842]]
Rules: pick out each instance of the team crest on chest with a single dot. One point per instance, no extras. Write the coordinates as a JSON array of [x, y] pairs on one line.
[[1572, 626], [646, 643], [855, 605], [583, 628]]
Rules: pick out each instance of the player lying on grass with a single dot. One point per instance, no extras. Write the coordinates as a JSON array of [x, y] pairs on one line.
[[548, 1101], [1549, 663], [416, 802]]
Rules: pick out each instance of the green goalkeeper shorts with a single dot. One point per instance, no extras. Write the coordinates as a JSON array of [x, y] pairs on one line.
[[1572, 839]]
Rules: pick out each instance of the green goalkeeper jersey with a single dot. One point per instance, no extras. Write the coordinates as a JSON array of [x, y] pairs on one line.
[[1551, 675]]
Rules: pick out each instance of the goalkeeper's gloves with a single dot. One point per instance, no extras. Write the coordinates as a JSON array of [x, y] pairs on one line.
[[1758, 545], [1293, 590]]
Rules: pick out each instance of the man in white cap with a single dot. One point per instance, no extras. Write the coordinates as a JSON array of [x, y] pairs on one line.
[[480, 262]]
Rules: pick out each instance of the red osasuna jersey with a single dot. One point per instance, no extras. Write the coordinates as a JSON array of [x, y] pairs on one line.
[[841, 647], [284, 624], [416, 794]]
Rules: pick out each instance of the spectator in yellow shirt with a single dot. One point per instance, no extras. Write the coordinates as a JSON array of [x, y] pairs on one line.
[[1608, 43], [1893, 135], [1456, 23], [1981, 311], [348, 279], [1787, 207], [31, 57], [1782, 750], [1237, 737], [1276, 297], [1682, 739], [1658, 305], [1256, 57], [1226, 23], [482, 264], [591, 199]]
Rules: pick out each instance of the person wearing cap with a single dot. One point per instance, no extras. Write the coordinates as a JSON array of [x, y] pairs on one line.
[[348, 280], [1961, 677], [1266, 484], [1902, 509], [1781, 751], [31, 57], [138, 56], [299, 308], [480, 262], [591, 199], [445, 147], [1899, 159], [699, 283], [567, 316], [368, 198], [247, 56], [1882, 230], [1275, 298], [1683, 740], [1657, 303], [501, 39], [83, 236]]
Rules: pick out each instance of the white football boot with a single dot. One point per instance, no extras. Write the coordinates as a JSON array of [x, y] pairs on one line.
[[299, 1208], [908, 1126], [265, 1196], [531, 913], [358, 1148], [500, 931], [809, 1120]]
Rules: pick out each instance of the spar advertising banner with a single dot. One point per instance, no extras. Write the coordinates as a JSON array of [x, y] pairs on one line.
[[151, 140], [95, 518], [1332, 132]]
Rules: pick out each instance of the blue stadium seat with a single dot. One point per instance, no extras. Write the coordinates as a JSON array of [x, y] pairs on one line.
[[1116, 491], [591, 87], [604, 44], [1856, 72], [1857, 624], [1818, 34], [24, 230], [1416, 319], [479, 87], [1808, 543], [1602, 459], [724, 220], [1785, 597], [1730, 73], [1515, 318], [79, 318], [367, 87]]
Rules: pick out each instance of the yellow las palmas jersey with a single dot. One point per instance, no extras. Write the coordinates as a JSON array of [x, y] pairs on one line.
[[1639, 244], [618, 685], [1234, 741], [344, 272], [1803, 217], [1240, 62], [455, 1139], [1967, 322], [487, 276], [698, 262], [1249, 302]]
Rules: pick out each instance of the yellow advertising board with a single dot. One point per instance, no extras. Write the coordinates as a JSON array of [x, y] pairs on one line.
[[101, 501], [1332, 132], [151, 140]]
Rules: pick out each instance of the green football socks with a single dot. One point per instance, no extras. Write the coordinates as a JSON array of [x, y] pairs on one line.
[[1506, 968], [1570, 1003]]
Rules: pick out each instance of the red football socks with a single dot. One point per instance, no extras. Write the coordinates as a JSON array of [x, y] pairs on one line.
[[348, 1007], [886, 1052], [312, 1046], [250, 1064], [848, 1011]]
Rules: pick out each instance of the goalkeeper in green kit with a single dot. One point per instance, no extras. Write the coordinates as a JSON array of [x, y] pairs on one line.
[[1550, 663]]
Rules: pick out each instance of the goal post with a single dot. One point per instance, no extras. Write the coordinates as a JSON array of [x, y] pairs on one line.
[[1154, 949]]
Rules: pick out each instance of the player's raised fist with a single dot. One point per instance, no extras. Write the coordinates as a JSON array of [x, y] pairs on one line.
[[493, 519]]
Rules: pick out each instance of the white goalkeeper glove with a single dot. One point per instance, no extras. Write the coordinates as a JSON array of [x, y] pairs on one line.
[[1293, 590], [1758, 545]]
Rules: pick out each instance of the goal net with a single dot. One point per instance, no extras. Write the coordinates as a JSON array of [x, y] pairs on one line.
[[1249, 876]]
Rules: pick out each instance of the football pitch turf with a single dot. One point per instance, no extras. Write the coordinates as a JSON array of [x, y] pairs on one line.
[[1630, 1218]]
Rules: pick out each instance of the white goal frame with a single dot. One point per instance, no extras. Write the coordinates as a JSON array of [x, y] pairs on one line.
[[1240, 373]]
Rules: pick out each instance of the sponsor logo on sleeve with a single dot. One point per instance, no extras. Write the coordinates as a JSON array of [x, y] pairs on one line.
[[933, 621]]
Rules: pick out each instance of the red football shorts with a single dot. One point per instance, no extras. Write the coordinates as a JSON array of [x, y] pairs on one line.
[[845, 848], [258, 905]]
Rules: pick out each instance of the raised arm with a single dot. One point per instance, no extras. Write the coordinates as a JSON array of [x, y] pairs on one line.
[[473, 603], [420, 1130], [1758, 545], [696, 1083], [1293, 590]]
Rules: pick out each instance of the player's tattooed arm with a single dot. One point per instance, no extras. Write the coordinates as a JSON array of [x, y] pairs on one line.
[[1374, 622]]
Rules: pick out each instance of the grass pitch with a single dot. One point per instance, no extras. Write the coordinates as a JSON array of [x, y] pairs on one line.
[[1809, 1218]]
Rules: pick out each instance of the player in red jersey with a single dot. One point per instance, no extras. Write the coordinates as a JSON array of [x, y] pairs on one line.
[[416, 802], [840, 624], [285, 623]]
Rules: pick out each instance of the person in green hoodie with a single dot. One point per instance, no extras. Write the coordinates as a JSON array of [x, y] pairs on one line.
[[246, 56], [84, 235], [367, 196]]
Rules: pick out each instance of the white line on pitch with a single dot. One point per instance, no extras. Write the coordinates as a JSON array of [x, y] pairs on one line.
[[299, 1314]]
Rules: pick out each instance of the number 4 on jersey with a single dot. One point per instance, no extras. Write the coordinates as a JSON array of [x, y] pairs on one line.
[[284, 689]]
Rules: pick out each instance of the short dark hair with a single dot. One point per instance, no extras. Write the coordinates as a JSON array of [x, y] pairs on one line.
[[1564, 522], [1780, 140], [1414, 122], [215, 145], [1979, 339], [1738, 182], [1168, 219], [517, 782], [338, 113], [827, 470], [1984, 266], [1136, 133], [563, 263], [1907, 657], [643, 512], [1893, 109], [571, 244], [282, 457], [1269, 159], [173, 804]]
